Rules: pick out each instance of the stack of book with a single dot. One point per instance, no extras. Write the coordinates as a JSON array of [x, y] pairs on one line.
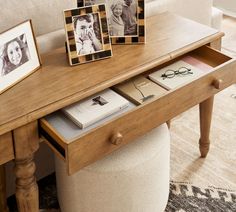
[[95, 108], [139, 90]]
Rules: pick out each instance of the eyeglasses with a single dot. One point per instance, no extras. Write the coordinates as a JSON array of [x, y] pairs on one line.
[[171, 73], [144, 97]]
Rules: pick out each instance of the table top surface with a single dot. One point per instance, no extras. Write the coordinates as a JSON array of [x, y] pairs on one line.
[[56, 84]]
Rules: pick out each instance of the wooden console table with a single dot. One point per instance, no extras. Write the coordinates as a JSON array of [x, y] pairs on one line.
[[56, 85]]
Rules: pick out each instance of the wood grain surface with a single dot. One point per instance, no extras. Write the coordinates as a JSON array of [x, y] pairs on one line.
[[56, 84], [6, 148]]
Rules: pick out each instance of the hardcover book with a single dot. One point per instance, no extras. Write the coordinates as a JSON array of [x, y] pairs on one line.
[[95, 108], [176, 74], [139, 90]]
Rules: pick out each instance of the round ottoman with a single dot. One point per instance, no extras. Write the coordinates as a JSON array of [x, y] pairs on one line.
[[134, 178]]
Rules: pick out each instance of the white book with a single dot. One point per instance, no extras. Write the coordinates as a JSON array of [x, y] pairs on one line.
[[95, 108], [172, 81]]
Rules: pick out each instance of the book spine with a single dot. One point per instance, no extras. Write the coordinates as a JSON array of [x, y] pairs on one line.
[[124, 94], [73, 119]]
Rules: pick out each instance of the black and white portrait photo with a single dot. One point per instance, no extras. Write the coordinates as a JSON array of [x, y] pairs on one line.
[[18, 54], [122, 16], [87, 32], [13, 54]]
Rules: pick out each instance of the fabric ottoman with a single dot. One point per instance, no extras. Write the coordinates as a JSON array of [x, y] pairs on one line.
[[134, 178]]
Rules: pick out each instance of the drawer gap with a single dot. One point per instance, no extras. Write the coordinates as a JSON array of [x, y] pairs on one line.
[[51, 140], [205, 55]]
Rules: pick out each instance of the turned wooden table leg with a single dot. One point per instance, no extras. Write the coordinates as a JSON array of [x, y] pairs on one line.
[[3, 196], [205, 109], [26, 143]]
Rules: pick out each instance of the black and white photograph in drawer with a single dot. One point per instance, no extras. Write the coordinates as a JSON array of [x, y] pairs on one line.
[[125, 18]]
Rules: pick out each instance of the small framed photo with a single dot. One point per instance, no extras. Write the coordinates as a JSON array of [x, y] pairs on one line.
[[125, 18], [87, 34], [18, 54]]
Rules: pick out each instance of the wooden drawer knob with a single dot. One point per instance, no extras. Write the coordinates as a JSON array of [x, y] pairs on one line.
[[217, 83], [117, 138]]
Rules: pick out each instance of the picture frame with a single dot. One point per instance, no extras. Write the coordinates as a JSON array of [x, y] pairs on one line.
[[19, 55], [80, 3], [87, 34], [126, 20]]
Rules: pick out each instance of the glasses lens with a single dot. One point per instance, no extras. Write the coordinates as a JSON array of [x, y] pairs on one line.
[[184, 70], [169, 73]]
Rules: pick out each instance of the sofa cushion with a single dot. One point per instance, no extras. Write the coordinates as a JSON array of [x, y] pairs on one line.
[[217, 16], [197, 10], [154, 7], [46, 15]]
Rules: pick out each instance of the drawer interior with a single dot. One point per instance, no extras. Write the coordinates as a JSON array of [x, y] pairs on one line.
[[201, 61], [209, 56], [70, 131], [204, 57]]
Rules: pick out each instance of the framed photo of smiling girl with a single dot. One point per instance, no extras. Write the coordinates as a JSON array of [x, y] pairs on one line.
[[126, 20], [18, 54]]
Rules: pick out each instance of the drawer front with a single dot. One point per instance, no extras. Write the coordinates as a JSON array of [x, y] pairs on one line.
[[6, 148], [104, 139]]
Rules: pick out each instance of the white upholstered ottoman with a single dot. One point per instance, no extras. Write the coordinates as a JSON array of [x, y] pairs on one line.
[[134, 178]]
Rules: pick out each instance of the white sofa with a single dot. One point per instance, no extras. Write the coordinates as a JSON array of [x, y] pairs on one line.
[[47, 20], [227, 6], [201, 11]]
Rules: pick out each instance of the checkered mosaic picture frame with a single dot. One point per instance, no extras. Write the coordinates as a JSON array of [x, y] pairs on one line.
[[126, 39], [69, 15]]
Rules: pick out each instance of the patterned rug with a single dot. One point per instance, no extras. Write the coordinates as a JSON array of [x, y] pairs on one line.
[[183, 197]]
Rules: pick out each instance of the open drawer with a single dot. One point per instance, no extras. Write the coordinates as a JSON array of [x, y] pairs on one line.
[[79, 150]]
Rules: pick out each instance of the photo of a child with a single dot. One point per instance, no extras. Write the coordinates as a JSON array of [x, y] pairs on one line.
[[13, 54], [87, 32]]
